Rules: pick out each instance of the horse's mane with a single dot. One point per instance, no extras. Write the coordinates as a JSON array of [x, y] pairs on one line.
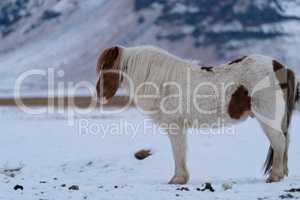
[[156, 65]]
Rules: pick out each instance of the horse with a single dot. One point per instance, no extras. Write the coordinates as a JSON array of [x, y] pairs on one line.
[[175, 91]]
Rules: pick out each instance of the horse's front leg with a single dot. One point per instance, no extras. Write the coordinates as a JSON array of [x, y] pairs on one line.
[[178, 142]]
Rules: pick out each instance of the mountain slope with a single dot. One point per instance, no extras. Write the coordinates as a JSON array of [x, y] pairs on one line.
[[69, 34]]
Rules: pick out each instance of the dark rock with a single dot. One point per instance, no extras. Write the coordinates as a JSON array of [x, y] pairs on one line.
[[74, 187], [183, 189], [18, 187], [293, 190], [141, 19], [208, 187], [89, 163], [50, 14], [63, 185], [11, 172], [142, 154], [286, 196]]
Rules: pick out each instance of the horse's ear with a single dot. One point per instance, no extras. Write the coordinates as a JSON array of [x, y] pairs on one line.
[[109, 74]]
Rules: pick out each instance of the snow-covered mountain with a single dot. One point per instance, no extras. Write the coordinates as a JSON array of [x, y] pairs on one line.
[[219, 22], [69, 34], [228, 27]]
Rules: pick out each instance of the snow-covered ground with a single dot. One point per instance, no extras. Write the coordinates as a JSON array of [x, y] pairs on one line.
[[45, 152], [52, 153]]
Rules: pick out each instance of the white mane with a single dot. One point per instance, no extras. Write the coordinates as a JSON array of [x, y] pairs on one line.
[[148, 63]]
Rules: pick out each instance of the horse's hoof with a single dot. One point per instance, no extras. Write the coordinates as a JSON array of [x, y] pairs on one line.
[[179, 180], [286, 172], [273, 179]]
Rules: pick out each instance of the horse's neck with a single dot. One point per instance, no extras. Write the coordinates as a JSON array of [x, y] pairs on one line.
[[149, 63]]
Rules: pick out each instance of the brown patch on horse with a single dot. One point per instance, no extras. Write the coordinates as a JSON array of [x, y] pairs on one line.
[[108, 68], [240, 103], [286, 79], [237, 60], [207, 68], [277, 66], [297, 98], [290, 95]]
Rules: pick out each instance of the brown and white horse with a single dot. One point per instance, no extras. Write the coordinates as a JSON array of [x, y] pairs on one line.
[[175, 91]]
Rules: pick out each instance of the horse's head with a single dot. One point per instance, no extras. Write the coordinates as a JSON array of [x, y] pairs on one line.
[[109, 73]]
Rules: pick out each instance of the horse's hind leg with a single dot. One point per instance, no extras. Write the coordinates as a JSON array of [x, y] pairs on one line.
[[275, 162]]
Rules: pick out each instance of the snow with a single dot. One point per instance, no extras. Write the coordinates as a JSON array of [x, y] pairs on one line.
[[181, 8], [53, 153], [64, 6]]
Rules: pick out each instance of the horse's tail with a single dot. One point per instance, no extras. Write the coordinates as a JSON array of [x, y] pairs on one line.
[[297, 95], [269, 161]]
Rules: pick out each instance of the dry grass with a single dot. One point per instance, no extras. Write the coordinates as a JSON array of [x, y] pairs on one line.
[[79, 101]]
